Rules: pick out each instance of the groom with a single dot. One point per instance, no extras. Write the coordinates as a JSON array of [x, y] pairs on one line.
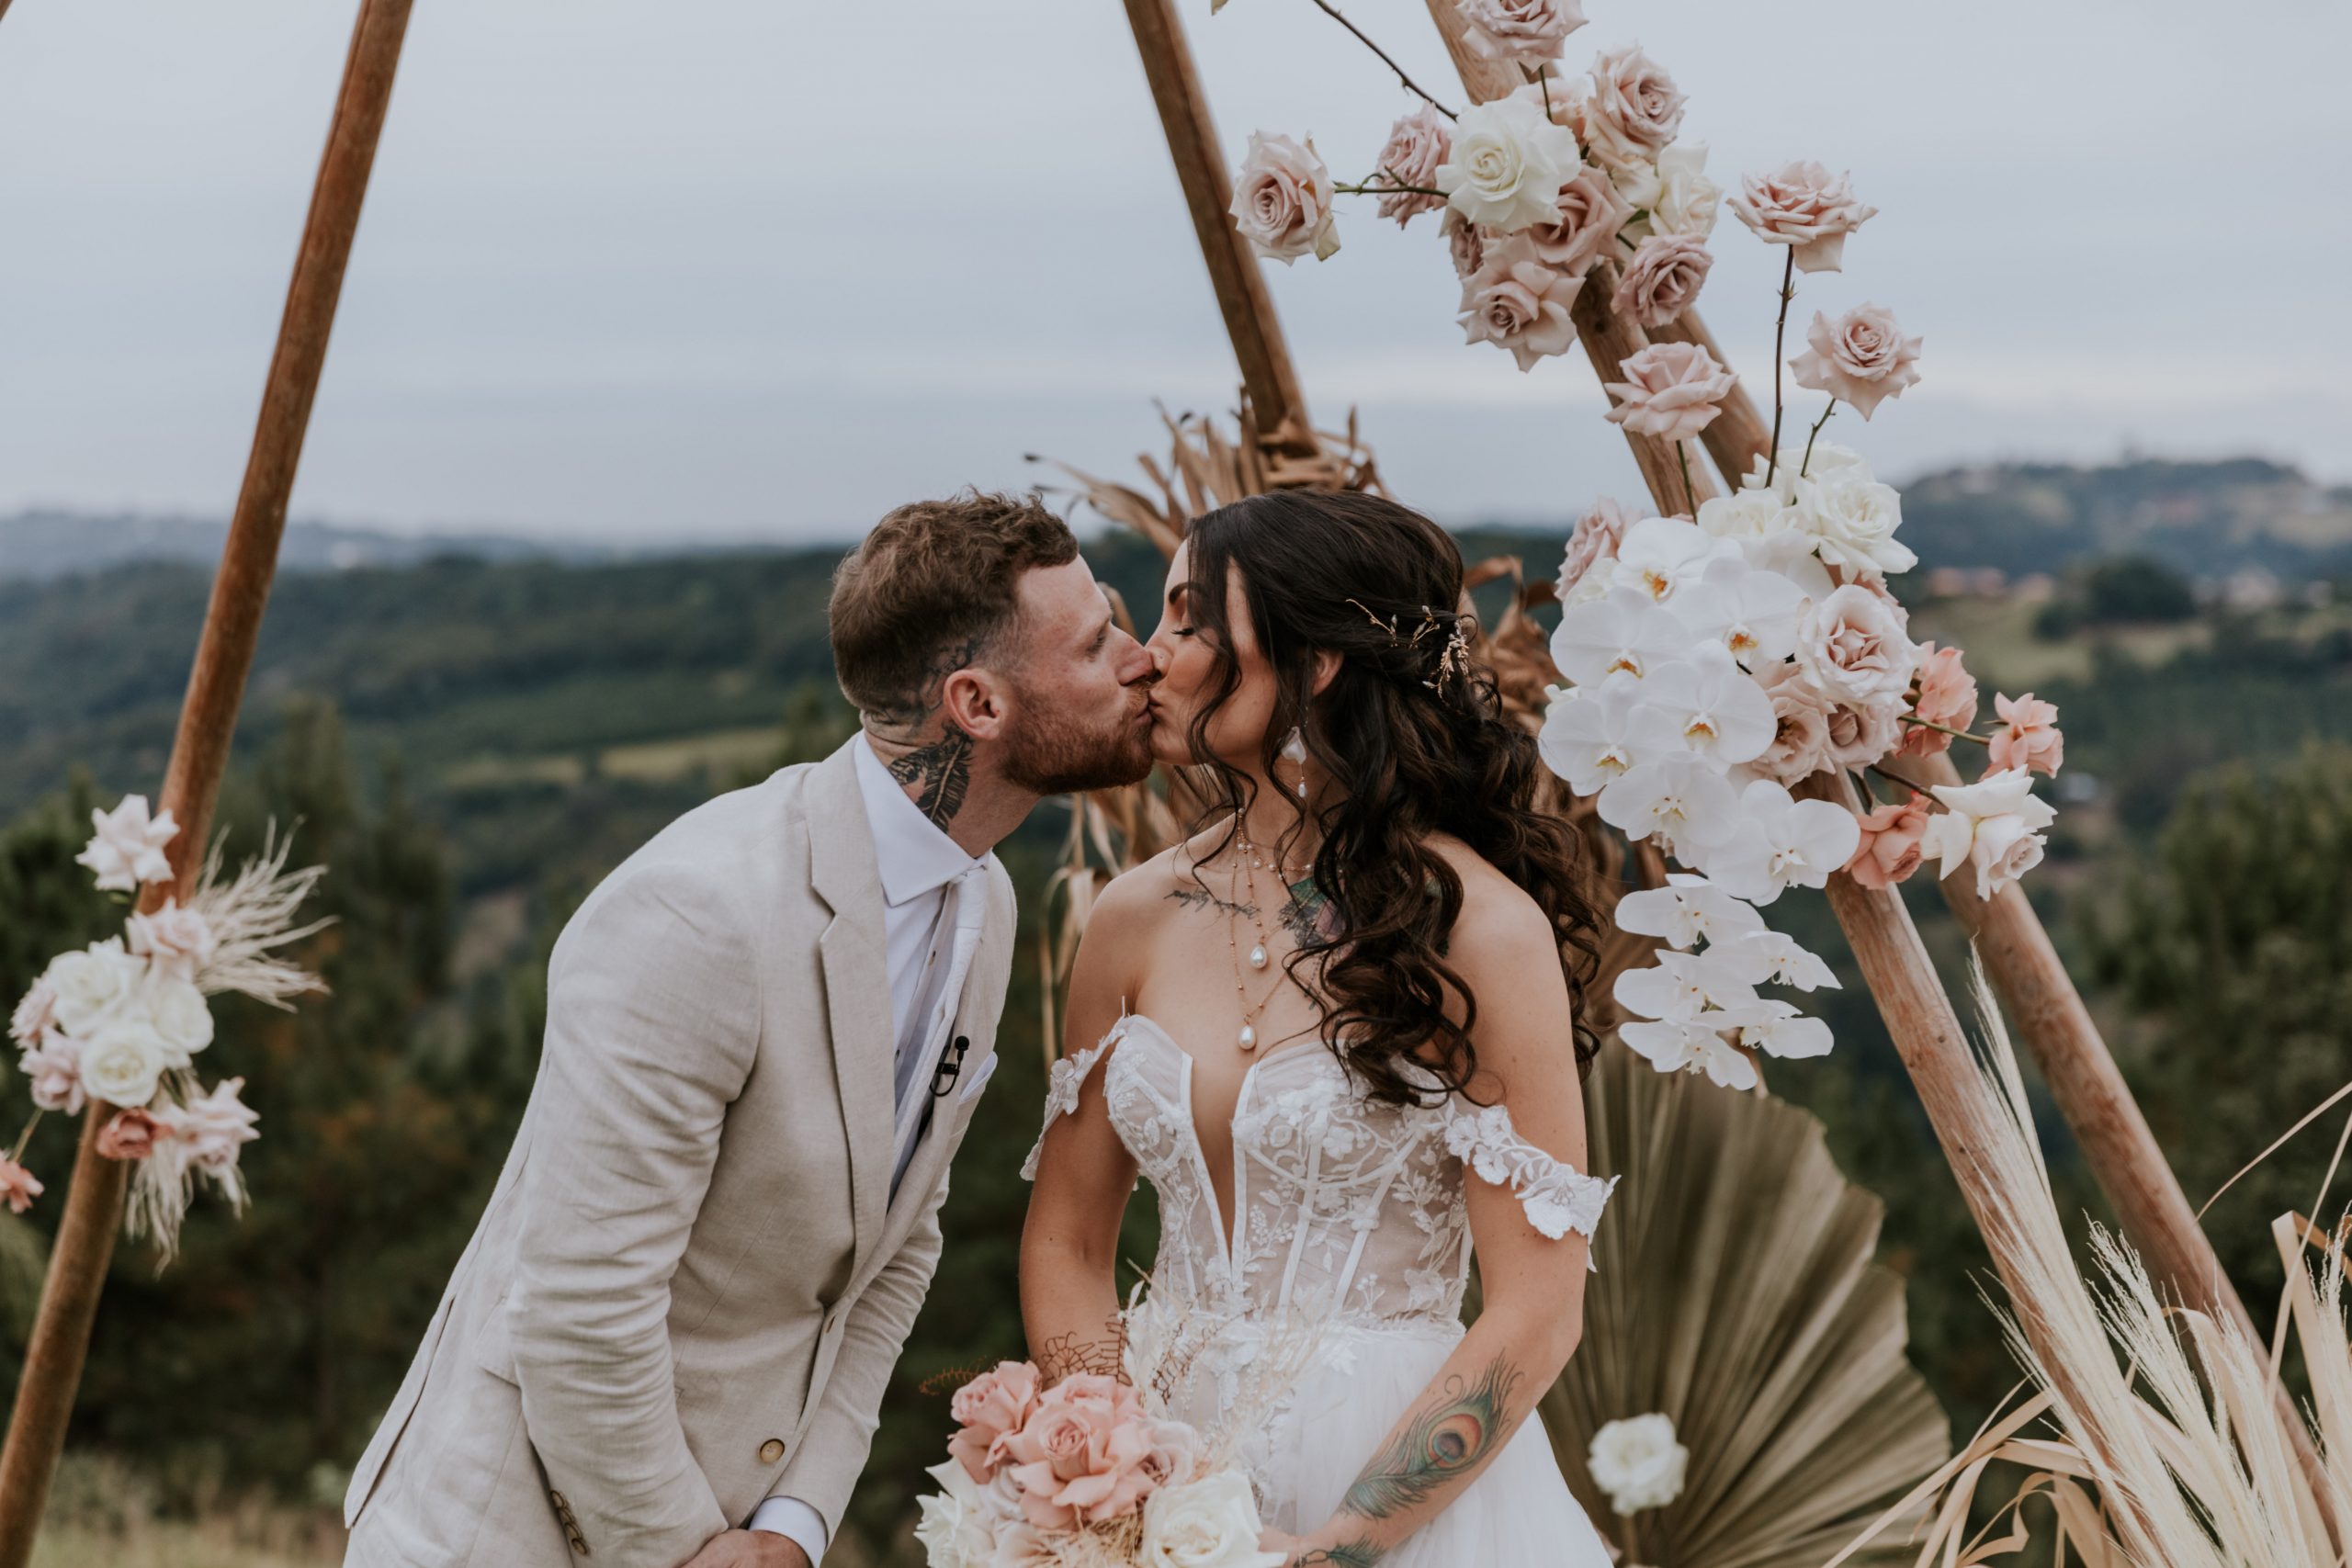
[[768, 1030]]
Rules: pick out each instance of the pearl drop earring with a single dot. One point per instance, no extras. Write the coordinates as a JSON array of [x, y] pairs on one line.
[[1295, 751]]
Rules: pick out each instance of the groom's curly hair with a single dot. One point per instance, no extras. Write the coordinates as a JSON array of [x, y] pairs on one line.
[[1413, 731], [931, 590]]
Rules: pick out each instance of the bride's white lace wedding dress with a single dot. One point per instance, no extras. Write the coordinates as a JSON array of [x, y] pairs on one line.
[[1349, 1225]]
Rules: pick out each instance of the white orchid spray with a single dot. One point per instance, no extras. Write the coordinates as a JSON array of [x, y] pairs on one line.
[[122, 1022]]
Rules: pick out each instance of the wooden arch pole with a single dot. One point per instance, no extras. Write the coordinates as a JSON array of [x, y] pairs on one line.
[[1267, 374], [2018, 958], [92, 1214]]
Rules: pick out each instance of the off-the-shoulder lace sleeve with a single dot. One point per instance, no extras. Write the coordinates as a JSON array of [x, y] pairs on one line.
[[1063, 1081], [1558, 1198]]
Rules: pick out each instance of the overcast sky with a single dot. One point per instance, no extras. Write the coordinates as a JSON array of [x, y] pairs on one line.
[[742, 269]]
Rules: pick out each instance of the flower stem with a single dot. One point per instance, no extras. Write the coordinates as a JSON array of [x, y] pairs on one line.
[[1780, 331], [18, 1154], [1945, 729], [1817, 424], [1410, 85], [1689, 497]]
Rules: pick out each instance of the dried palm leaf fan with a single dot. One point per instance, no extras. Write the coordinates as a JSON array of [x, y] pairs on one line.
[[1736, 1294]]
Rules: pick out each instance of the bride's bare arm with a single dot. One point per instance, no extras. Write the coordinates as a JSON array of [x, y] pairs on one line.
[[1532, 1284], [1069, 1299]]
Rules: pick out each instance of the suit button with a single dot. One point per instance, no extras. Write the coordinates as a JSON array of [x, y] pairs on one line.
[[771, 1450]]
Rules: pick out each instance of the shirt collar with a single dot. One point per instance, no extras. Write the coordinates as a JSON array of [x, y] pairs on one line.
[[910, 851]]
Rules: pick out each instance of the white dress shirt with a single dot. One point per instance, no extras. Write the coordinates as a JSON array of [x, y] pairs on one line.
[[920, 867]]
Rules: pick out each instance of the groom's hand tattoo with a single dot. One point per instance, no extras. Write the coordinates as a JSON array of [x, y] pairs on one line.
[[1202, 898], [1453, 1437], [941, 771]]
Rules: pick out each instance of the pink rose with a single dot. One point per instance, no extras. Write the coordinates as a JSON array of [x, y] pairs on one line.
[[2028, 736], [1947, 696], [1416, 144], [132, 1134], [1281, 199], [1517, 302], [1853, 647], [177, 941], [1590, 212], [1800, 745], [1663, 279], [1862, 733], [1805, 207], [1525, 32], [1861, 357], [1629, 106], [54, 1071], [1672, 390], [1595, 538], [1078, 1457], [985, 1409], [1889, 849], [18, 1187]]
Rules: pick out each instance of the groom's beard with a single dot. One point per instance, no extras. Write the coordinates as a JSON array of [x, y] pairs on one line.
[[1048, 752]]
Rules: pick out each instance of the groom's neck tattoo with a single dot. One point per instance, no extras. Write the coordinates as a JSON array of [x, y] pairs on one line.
[[1202, 898], [1441, 1442], [940, 772]]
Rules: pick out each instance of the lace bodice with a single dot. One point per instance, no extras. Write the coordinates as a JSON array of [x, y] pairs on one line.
[[1345, 1207]]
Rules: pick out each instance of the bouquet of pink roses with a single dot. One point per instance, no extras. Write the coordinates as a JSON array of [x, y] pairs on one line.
[[1081, 1476]]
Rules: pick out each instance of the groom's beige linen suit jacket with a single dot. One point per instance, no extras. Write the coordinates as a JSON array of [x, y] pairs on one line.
[[692, 1280]]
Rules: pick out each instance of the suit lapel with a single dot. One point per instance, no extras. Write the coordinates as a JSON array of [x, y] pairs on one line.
[[857, 984]]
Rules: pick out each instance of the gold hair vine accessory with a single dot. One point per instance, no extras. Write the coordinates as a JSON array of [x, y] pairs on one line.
[[1453, 663]]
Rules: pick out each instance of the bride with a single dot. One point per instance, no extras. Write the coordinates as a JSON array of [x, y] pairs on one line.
[[1336, 1029]]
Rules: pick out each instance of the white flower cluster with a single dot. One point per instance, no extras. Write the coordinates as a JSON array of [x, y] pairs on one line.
[[1712, 664]]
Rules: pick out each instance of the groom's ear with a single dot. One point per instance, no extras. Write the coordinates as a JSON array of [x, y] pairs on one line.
[[973, 700]]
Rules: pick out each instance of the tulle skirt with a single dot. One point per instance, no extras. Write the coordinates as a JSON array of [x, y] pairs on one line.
[[1517, 1512]]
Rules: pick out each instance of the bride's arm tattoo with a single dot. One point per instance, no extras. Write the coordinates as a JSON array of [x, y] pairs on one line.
[[1202, 898], [942, 769], [1456, 1433]]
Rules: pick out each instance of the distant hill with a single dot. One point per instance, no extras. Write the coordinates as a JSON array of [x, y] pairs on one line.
[[45, 545], [2204, 520]]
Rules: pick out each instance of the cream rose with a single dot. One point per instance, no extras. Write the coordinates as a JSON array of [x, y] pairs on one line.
[[1281, 199], [1508, 163], [1852, 520], [1804, 206], [1631, 108], [1525, 32], [176, 1010], [1520, 304], [1209, 1523], [123, 1063], [1863, 357], [93, 984], [1686, 200], [1672, 390], [1663, 279], [1853, 648], [1417, 146]]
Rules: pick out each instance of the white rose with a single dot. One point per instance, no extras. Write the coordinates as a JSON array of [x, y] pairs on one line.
[[1209, 1523], [93, 984], [1685, 200], [182, 1022], [123, 1063], [1993, 825], [1852, 520], [1508, 165], [1639, 1463]]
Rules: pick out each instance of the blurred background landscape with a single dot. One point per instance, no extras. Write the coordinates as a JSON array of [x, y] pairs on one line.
[[470, 732]]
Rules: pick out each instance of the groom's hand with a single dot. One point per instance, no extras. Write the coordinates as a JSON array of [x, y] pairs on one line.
[[748, 1549]]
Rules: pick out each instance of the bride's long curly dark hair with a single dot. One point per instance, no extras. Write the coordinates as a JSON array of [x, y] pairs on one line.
[[1418, 745]]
